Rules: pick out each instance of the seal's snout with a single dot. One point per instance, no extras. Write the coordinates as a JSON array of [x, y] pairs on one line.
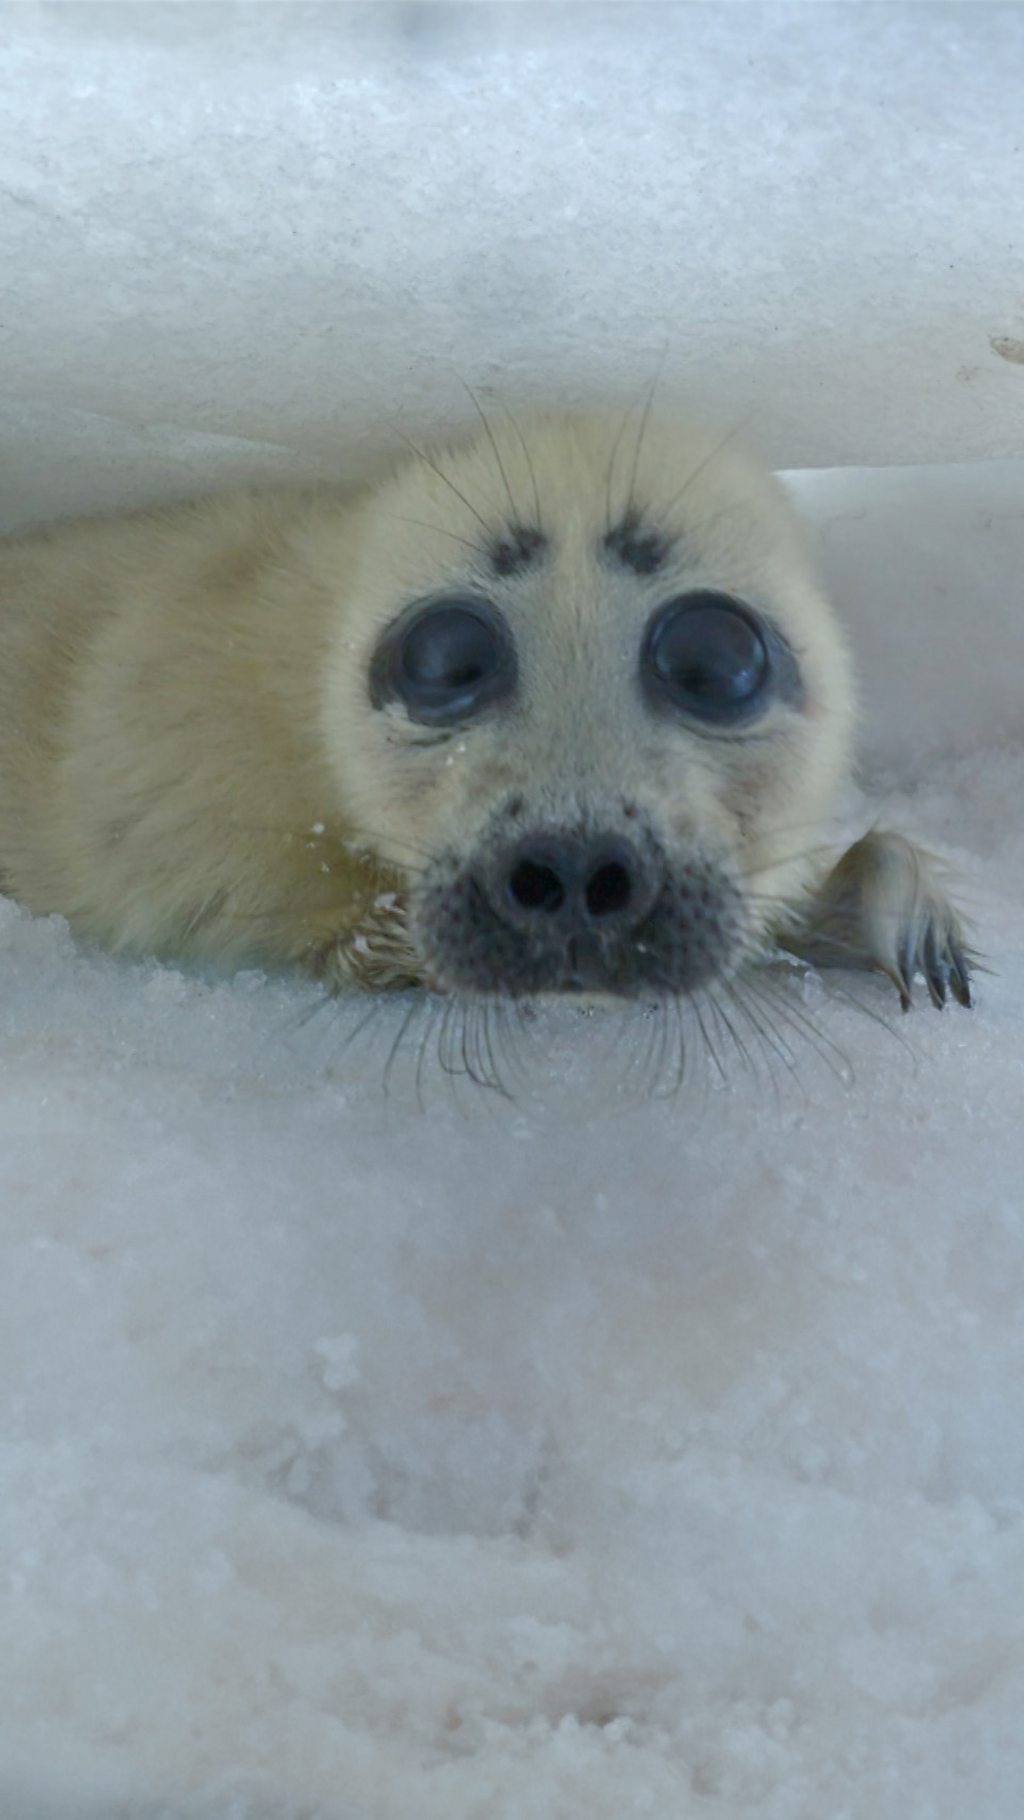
[[559, 885], [571, 909]]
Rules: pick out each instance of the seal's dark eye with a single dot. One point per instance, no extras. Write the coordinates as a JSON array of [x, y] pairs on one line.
[[444, 661], [706, 654]]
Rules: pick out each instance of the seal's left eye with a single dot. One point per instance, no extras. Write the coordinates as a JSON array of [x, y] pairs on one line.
[[444, 661], [707, 655]]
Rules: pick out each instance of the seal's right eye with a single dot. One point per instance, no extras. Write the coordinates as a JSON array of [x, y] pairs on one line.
[[706, 654], [444, 661]]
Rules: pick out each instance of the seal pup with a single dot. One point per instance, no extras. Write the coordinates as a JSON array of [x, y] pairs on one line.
[[558, 708]]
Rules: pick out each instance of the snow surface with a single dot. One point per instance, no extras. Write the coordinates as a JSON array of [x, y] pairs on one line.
[[591, 1454], [374, 1447]]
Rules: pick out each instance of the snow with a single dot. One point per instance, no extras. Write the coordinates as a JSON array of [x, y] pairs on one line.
[[238, 238], [591, 1452], [375, 1447]]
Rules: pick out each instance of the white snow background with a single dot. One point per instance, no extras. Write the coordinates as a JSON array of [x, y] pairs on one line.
[[590, 1454]]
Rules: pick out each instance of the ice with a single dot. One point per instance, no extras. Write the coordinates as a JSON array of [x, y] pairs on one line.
[[374, 1446]]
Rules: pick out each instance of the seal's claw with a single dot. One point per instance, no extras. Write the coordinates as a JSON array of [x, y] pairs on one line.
[[377, 954], [936, 968], [882, 907], [960, 976], [931, 947]]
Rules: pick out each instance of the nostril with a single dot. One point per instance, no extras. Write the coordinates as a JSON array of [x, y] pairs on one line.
[[609, 889], [537, 888]]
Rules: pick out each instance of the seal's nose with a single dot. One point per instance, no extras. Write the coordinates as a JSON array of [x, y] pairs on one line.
[[570, 884]]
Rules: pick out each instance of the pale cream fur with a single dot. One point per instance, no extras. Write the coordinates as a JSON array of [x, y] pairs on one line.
[[189, 760]]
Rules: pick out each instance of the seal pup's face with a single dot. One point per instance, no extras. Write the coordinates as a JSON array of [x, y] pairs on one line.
[[588, 700]]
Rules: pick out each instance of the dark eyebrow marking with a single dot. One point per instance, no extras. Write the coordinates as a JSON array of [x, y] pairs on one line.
[[638, 546], [519, 550]]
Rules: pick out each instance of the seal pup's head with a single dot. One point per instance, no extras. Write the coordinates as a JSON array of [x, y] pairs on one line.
[[587, 699]]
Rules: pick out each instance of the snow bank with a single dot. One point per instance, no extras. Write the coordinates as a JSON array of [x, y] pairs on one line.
[[237, 238]]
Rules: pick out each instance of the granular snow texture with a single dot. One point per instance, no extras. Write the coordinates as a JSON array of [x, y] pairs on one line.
[[586, 1454]]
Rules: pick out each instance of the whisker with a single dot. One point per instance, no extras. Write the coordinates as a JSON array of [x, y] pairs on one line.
[[731, 1031], [645, 418], [428, 854], [457, 1052], [328, 997], [492, 1049], [765, 1050], [830, 1052], [414, 1009], [835, 990], [622, 1028], [509, 1035], [470, 1042], [696, 472], [529, 463], [348, 839], [348, 1037], [441, 475], [610, 471], [479, 1061], [443, 1037], [654, 1055], [464, 1043], [484, 1046], [708, 1044], [667, 1008], [766, 1032], [772, 1044], [421, 524], [489, 433], [435, 1011], [825, 849], [662, 1017], [679, 1072]]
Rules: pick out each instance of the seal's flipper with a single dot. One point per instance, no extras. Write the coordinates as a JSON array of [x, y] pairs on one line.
[[883, 907]]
